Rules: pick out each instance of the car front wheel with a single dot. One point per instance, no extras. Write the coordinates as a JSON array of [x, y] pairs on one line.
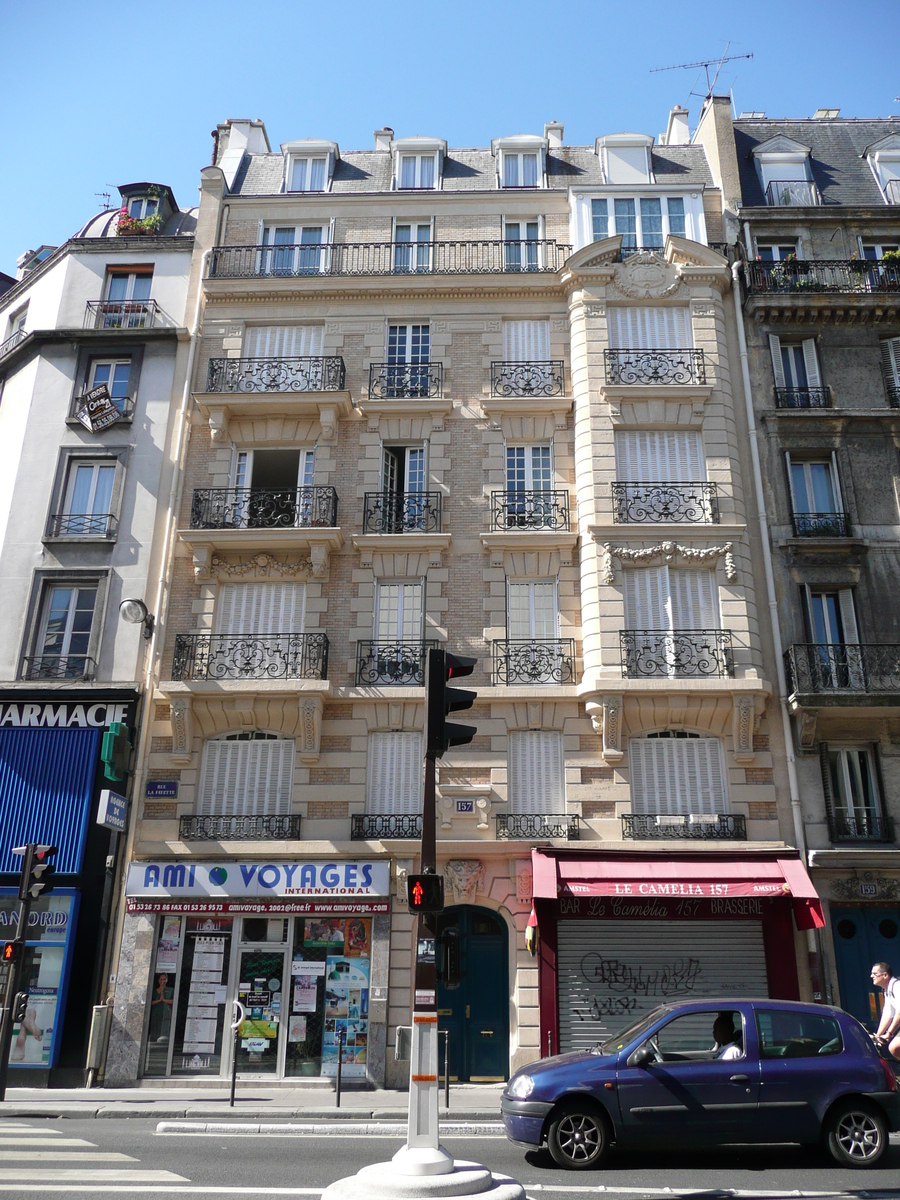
[[856, 1135], [579, 1137]]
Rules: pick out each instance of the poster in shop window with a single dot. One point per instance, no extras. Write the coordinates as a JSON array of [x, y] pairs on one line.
[[346, 1028]]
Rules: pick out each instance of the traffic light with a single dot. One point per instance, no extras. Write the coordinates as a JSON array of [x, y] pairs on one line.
[[450, 964], [444, 668], [10, 951], [37, 872], [425, 893], [115, 751], [19, 1005]]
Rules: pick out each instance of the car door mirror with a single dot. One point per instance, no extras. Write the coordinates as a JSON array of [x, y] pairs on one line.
[[643, 1056]]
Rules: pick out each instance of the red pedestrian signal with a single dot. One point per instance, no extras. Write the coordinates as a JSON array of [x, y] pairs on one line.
[[10, 952], [425, 893]]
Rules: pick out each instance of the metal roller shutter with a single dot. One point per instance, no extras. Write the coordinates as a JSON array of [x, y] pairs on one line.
[[610, 973]]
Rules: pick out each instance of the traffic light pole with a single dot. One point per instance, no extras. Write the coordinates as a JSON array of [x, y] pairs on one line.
[[13, 981]]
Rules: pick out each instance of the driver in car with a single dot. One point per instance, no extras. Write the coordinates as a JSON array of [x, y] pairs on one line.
[[727, 1038]]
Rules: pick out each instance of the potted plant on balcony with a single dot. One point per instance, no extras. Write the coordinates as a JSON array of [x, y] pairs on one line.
[[128, 226]]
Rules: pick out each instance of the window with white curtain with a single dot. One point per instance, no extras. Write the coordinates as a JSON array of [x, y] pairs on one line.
[[672, 775], [643, 221], [531, 613], [521, 170], [246, 774], [260, 608], [417, 171], [308, 174], [668, 598], [649, 327], [536, 782], [398, 611], [283, 341], [526, 341], [394, 773]]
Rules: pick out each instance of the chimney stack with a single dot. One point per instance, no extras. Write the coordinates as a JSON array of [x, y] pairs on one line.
[[383, 138], [553, 132]]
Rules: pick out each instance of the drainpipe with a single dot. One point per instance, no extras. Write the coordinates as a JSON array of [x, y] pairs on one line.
[[796, 811]]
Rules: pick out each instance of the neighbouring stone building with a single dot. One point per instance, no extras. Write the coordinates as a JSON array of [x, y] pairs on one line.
[[491, 399]]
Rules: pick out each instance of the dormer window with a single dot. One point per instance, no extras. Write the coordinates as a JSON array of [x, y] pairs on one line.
[[417, 163], [520, 161], [625, 158], [884, 159], [417, 171], [520, 170], [309, 165], [784, 171], [143, 206]]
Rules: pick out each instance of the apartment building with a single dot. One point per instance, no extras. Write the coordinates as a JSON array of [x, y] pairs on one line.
[[489, 399], [813, 205], [93, 351]]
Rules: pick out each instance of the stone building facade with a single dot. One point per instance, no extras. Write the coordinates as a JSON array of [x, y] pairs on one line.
[[488, 399]]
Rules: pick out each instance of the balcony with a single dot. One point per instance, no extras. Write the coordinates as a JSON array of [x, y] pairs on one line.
[[388, 258], [655, 367], [524, 662], [58, 666], [821, 669], [248, 656], [792, 193], [301, 374], [121, 314], [264, 508], [82, 525], [239, 829], [638, 503], [676, 653], [538, 825], [406, 381], [530, 509], [402, 512], [817, 525], [529, 380], [686, 827], [384, 826], [860, 826], [11, 342], [791, 397], [397, 663], [801, 276]]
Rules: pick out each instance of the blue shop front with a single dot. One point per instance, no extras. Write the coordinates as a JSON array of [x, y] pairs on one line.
[[52, 777]]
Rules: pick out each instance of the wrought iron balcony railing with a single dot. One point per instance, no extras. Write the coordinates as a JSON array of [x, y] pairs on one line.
[[538, 825], [652, 826], [389, 258], [264, 508], [791, 397], [792, 193], [402, 512], [59, 666], [835, 525], [301, 374], [383, 826], [530, 509], [121, 314], [831, 667], [391, 663], [239, 829], [661, 502], [12, 341], [655, 367], [527, 661], [674, 653], [88, 525], [399, 381], [528, 379], [860, 827], [851, 275], [250, 656]]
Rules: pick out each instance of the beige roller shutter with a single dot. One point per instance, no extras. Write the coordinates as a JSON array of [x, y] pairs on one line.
[[647, 328], [526, 341], [611, 973], [394, 776], [283, 341], [246, 778]]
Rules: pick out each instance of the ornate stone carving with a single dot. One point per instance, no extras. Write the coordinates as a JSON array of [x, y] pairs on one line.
[[703, 308], [849, 889], [595, 310], [606, 718], [182, 728], [808, 718], [524, 880], [218, 424], [465, 876], [743, 721], [646, 275], [261, 566], [309, 728], [668, 551]]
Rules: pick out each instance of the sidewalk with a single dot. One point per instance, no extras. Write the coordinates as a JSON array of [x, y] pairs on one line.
[[253, 1101]]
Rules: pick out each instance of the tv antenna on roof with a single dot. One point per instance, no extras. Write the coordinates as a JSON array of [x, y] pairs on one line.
[[718, 63], [105, 197]]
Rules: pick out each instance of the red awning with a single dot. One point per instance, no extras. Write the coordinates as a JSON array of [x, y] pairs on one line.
[[707, 878]]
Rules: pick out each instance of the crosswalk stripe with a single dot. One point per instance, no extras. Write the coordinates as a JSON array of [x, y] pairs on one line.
[[79, 1156], [61, 1175], [38, 1141]]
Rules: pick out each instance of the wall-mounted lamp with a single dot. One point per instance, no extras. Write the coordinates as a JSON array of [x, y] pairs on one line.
[[135, 612]]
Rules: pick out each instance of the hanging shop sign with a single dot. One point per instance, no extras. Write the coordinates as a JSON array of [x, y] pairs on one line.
[[97, 411], [222, 880], [112, 811]]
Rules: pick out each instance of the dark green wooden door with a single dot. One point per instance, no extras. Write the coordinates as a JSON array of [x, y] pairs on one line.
[[476, 1015]]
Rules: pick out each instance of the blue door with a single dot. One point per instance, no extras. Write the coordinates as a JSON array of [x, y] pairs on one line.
[[476, 1014], [863, 936]]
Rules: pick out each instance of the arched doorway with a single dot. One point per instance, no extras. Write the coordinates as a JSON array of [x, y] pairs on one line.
[[476, 1015]]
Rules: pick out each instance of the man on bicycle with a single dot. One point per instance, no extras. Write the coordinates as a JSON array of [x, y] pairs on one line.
[[888, 1031]]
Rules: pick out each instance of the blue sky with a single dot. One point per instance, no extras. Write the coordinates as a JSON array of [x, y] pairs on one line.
[[97, 93]]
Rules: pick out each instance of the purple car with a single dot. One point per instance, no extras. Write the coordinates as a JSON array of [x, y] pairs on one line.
[[708, 1073]]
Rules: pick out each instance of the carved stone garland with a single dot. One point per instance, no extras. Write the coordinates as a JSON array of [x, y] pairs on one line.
[[668, 551]]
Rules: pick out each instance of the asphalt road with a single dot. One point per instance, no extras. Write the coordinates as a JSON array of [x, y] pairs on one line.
[[71, 1158]]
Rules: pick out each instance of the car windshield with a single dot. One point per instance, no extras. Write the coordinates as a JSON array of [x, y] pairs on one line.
[[621, 1039]]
